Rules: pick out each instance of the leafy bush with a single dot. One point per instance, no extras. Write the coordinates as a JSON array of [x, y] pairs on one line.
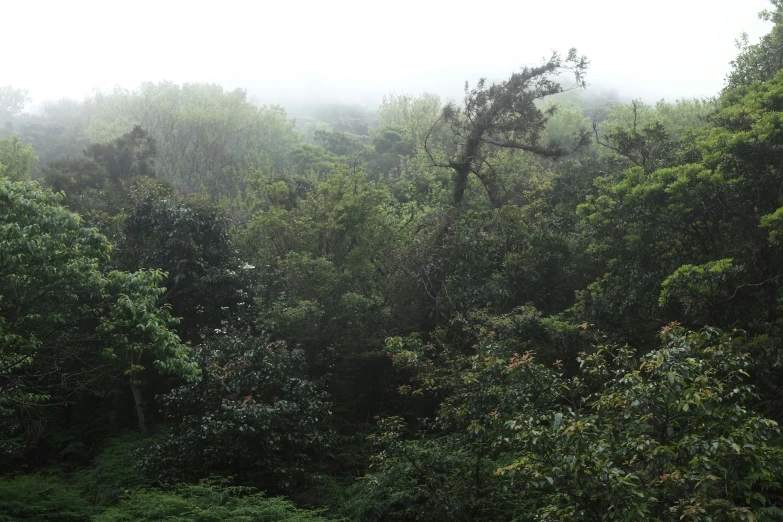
[[39, 498], [255, 415], [113, 472], [206, 502], [662, 436]]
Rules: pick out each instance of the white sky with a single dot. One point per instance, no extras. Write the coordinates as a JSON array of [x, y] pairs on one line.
[[355, 51]]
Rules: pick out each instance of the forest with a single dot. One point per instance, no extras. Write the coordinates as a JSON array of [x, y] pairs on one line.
[[528, 304]]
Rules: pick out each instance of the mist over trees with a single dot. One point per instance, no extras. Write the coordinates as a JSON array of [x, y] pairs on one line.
[[530, 304]]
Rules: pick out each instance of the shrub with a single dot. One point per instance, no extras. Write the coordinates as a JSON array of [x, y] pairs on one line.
[[206, 502], [113, 472], [39, 498]]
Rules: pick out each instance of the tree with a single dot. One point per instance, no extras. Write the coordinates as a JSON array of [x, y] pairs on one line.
[[98, 183], [16, 161], [57, 131], [64, 321], [648, 146], [256, 415], [128, 156], [759, 62], [207, 139], [390, 146], [692, 222], [75, 176], [442, 466], [12, 101], [326, 259], [51, 288], [141, 336], [188, 239], [414, 115], [503, 116], [661, 436]]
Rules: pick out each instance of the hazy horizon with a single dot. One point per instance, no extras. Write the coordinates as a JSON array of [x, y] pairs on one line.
[[353, 52]]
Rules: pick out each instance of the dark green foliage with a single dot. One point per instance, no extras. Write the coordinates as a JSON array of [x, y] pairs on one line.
[[439, 317], [129, 156], [326, 262], [97, 183], [66, 323], [113, 472], [255, 415], [391, 147], [446, 471], [391, 140], [42, 498], [75, 176], [184, 237], [647, 225], [188, 239], [658, 436], [649, 147], [206, 502], [647, 437], [509, 257]]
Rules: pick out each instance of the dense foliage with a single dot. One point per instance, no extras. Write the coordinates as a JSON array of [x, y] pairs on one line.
[[253, 415], [531, 305], [656, 436]]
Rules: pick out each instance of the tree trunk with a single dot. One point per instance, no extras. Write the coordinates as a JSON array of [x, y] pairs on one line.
[[460, 183], [139, 407], [463, 167]]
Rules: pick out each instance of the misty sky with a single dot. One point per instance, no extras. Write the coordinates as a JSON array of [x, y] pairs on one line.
[[355, 51]]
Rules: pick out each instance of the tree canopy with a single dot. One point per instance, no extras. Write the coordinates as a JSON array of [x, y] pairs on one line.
[[535, 304]]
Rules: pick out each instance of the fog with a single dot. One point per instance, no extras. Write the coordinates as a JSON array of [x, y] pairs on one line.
[[355, 51]]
